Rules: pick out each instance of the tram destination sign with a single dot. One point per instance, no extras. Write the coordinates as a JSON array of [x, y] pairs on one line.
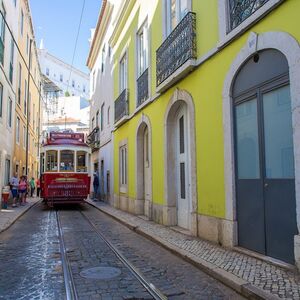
[[66, 135]]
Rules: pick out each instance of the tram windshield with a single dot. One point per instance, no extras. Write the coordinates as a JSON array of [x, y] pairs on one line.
[[51, 164], [81, 161], [67, 161]]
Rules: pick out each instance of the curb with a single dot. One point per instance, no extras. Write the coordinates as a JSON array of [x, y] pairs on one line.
[[241, 286], [19, 216]]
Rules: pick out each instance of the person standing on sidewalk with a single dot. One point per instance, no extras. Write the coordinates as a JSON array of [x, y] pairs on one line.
[[38, 187], [14, 183], [32, 186], [95, 185], [23, 189]]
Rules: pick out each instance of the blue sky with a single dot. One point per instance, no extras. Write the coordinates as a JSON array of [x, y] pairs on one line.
[[56, 22]]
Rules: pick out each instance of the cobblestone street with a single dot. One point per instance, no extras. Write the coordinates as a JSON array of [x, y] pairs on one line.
[[31, 246]]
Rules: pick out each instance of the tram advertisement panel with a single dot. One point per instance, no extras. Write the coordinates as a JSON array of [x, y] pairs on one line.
[[64, 186]]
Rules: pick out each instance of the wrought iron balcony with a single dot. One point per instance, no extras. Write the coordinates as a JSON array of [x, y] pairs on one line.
[[1, 51], [240, 10], [142, 88], [178, 48], [93, 139], [121, 105]]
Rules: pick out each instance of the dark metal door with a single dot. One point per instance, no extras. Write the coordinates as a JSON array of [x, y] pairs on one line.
[[265, 184]]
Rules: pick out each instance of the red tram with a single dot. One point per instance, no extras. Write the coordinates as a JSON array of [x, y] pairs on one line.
[[64, 168]]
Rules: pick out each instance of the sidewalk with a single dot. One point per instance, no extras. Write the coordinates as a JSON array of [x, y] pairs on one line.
[[249, 276], [10, 215]]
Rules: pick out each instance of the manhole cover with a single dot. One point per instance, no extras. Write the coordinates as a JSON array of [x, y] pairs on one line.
[[101, 273]]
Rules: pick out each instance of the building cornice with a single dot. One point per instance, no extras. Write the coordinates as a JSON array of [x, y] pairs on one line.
[[121, 19], [64, 64], [101, 28]]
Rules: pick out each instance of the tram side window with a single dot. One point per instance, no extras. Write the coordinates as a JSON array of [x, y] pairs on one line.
[[67, 161], [81, 161], [51, 160]]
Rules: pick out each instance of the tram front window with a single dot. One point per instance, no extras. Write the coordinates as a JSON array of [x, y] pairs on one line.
[[81, 163], [51, 164], [67, 161]]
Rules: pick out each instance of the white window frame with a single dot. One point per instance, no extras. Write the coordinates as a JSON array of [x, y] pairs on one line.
[[18, 123], [123, 72], [225, 34], [102, 117], [24, 136], [142, 49], [20, 84], [123, 167], [22, 22], [9, 112], [11, 66], [167, 26]]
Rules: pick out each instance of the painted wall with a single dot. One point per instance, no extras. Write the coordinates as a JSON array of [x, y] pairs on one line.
[[205, 85]]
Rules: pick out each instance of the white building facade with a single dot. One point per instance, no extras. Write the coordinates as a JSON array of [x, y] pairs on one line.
[[66, 77], [8, 61], [100, 62], [68, 113]]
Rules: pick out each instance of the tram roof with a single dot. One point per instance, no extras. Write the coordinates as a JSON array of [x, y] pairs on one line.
[[66, 139]]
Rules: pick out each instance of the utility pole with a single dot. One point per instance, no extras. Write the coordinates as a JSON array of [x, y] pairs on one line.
[[28, 109]]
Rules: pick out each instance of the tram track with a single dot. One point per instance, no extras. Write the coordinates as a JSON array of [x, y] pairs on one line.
[[70, 286], [71, 293]]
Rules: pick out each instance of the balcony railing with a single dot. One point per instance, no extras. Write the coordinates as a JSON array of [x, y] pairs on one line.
[[121, 105], [1, 51], [240, 10], [142, 88], [93, 139], [178, 48]]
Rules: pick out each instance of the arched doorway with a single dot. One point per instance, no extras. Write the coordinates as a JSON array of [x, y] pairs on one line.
[[264, 156], [144, 168], [180, 162]]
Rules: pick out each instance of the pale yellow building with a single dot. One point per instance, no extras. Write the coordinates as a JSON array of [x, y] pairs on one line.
[[28, 99]]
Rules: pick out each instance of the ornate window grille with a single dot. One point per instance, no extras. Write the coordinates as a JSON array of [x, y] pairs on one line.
[[142, 88], [240, 10], [93, 139], [178, 48], [121, 105]]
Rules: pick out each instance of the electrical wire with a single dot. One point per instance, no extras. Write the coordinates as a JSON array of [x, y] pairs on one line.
[[75, 46]]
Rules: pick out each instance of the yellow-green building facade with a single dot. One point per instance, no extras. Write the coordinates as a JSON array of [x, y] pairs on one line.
[[207, 119]]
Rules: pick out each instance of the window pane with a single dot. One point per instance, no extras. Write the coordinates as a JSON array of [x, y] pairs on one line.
[[51, 160], [247, 140], [181, 135], [278, 134], [183, 8], [67, 161], [81, 163], [173, 14], [182, 180]]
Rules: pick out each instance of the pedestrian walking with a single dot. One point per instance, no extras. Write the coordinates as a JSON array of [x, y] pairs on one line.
[[38, 187], [14, 183], [96, 185], [22, 189], [32, 186]]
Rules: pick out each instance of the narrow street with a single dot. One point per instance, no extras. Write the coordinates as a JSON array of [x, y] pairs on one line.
[[31, 245]]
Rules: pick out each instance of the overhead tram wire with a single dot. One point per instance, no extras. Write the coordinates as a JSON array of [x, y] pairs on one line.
[[74, 52]]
